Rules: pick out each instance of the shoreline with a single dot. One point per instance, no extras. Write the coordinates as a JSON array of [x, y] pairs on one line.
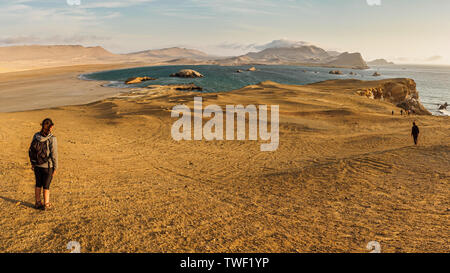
[[110, 84], [65, 84]]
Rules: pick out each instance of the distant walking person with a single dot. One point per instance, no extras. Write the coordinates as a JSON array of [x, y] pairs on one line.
[[415, 133], [43, 155]]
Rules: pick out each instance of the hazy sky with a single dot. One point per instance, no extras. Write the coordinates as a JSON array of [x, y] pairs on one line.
[[415, 31]]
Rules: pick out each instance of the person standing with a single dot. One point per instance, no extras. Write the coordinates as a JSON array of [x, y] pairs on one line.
[[43, 155], [415, 133]]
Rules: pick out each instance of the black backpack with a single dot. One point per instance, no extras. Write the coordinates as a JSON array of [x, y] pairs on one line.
[[39, 152]]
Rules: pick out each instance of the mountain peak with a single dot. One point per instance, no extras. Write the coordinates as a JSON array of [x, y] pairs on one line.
[[291, 52], [284, 43]]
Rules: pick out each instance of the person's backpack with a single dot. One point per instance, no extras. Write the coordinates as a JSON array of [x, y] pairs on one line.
[[39, 152]]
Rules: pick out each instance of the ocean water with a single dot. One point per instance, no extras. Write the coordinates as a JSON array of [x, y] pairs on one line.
[[433, 82]]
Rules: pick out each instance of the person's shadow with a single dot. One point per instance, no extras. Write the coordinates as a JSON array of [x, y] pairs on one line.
[[25, 204]]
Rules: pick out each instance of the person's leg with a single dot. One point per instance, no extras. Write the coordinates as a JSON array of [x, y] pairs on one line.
[[415, 140], [37, 189], [37, 195], [47, 182], [46, 197]]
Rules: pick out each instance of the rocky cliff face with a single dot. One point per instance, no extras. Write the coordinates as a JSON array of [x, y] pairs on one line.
[[400, 92]]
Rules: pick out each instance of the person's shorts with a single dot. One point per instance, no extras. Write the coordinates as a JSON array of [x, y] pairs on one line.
[[44, 177]]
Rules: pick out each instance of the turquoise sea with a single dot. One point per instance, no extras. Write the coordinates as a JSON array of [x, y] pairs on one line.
[[433, 82]]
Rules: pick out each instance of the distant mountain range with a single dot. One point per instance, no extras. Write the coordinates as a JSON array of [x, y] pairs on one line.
[[302, 55], [278, 52], [380, 62]]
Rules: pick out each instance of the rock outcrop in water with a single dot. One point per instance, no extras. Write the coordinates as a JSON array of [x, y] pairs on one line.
[[336, 72], [252, 69], [376, 74], [187, 73], [138, 80], [400, 92], [443, 107]]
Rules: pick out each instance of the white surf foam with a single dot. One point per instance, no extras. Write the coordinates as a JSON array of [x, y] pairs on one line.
[[444, 112]]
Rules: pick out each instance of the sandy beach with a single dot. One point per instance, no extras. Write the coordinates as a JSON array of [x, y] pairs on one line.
[[51, 87], [346, 172]]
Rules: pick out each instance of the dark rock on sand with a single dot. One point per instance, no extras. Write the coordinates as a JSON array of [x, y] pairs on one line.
[[186, 87], [138, 80], [189, 87]]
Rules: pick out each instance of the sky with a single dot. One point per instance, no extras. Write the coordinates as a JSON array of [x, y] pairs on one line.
[[403, 31]]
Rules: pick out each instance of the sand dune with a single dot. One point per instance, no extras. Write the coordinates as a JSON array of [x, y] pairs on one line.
[[345, 174], [37, 52]]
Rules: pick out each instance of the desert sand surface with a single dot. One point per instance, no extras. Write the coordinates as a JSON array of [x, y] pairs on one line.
[[345, 173]]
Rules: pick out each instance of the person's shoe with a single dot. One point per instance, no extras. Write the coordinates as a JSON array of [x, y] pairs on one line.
[[38, 205], [48, 206]]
